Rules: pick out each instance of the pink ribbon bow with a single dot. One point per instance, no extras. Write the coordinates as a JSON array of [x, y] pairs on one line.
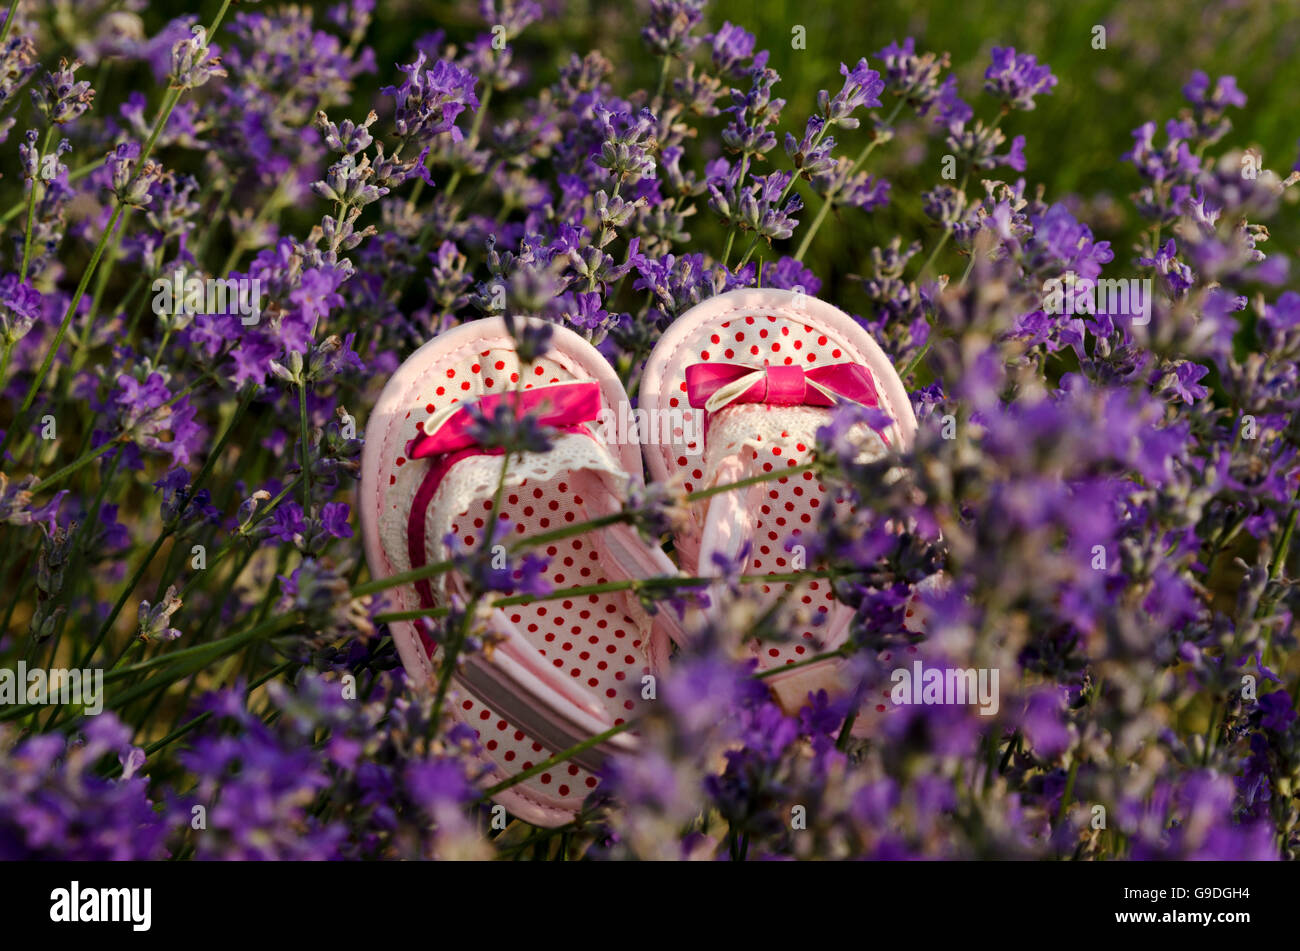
[[561, 405], [711, 386]]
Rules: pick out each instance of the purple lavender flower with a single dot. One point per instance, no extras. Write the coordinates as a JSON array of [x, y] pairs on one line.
[[627, 144], [787, 274], [587, 312], [1209, 123], [20, 308], [60, 97], [334, 519], [1017, 79], [811, 155], [761, 209], [948, 108], [286, 523], [513, 15], [862, 88], [430, 99], [1044, 724], [177, 502], [154, 620], [55, 803], [1276, 712], [1174, 162], [913, 76], [194, 63], [732, 46], [1225, 93], [671, 21], [752, 113]]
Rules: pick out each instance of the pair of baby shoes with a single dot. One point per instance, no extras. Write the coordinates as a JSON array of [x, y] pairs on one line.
[[737, 387]]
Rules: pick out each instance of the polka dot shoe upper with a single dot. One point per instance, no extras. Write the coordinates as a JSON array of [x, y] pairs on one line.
[[749, 377], [564, 668]]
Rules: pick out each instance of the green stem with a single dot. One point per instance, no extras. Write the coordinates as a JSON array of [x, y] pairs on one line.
[[219, 649], [970, 266], [1068, 795], [124, 597], [867, 149], [702, 494], [76, 175], [9, 21], [785, 193], [1284, 544], [920, 355], [812, 228], [232, 543], [17, 595], [168, 530], [807, 661], [210, 462], [271, 207], [70, 468], [452, 653], [846, 731], [569, 531], [190, 725], [557, 759], [1011, 749], [1210, 733], [134, 643], [663, 583], [943, 239], [214, 219], [306, 448], [663, 79], [170, 657], [85, 531], [101, 285], [476, 124], [376, 585]]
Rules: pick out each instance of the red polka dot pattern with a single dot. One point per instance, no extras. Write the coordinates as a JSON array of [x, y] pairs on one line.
[[790, 506], [593, 638]]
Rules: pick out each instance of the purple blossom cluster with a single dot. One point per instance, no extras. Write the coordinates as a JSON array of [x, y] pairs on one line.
[[1100, 504]]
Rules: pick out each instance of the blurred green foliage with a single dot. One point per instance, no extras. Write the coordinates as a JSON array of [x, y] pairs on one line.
[[1074, 138]]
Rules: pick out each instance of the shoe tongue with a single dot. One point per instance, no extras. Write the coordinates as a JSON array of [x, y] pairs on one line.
[[471, 484], [749, 440], [762, 438], [770, 438]]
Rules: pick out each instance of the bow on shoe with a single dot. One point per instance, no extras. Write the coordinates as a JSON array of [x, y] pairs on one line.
[[712, 386], [565, 406]]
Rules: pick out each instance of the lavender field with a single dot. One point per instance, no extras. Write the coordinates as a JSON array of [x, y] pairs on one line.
[[229, 632]]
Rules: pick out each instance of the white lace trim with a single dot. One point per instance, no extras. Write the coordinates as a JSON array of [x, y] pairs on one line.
[[747, 428]]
